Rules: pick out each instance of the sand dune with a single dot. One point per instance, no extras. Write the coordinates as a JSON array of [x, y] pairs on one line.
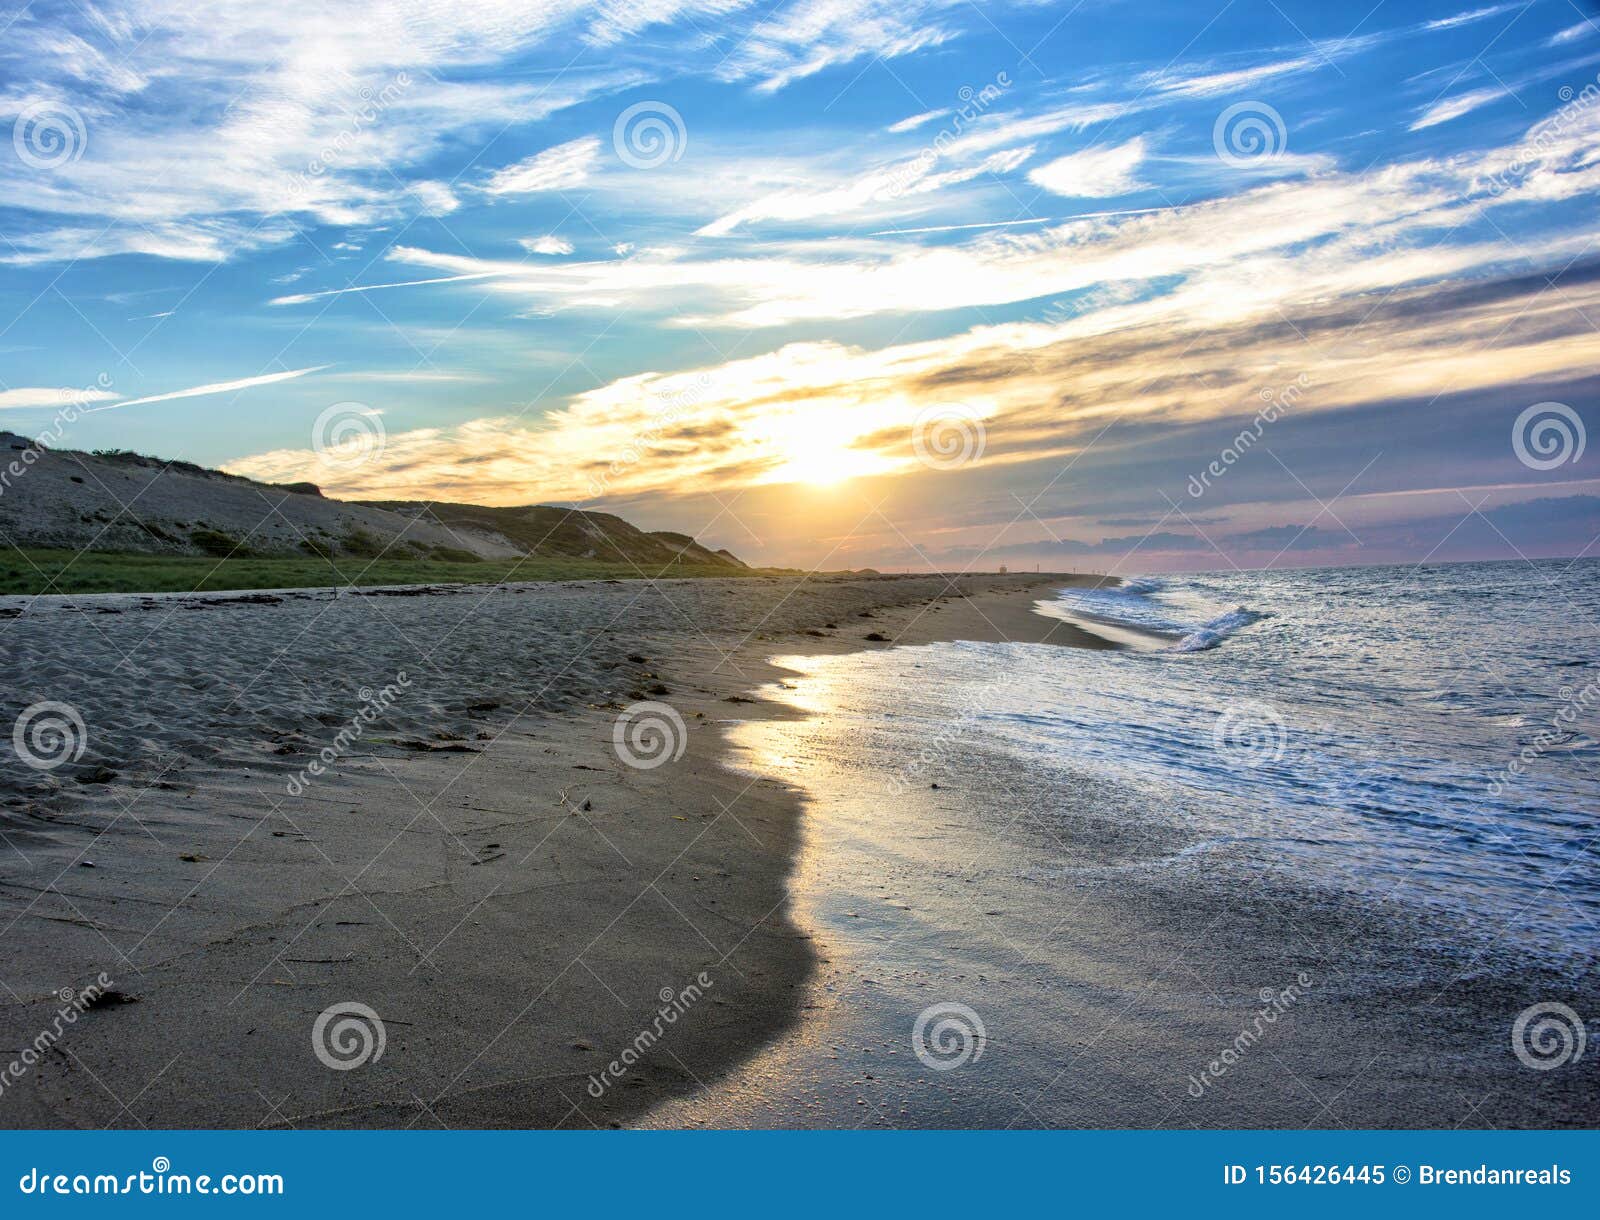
[[64, 499]]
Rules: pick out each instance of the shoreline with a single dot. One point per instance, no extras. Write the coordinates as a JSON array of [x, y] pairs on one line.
[[1112, 953], [525, 911], [519, 909]]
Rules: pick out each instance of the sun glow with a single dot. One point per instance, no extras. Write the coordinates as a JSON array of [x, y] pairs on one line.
[[824, 456], [820, 461]]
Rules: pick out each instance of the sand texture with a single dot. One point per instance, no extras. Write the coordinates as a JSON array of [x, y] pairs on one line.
[[477, 866]]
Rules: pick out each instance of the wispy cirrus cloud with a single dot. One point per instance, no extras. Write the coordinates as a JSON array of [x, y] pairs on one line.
[[1443, 109], [26, 397], [415, 376], [251, 117], [841, 186], [1177, 316], [300, 298], [1471, 16], [1188, 82], [35, 397], [1572, 33], [555, 169], [892, 189], [1096, 173], [215, 387], [548, 244], [912, 122], [1254, 250], [799, 40], [1449, 108], [1042, 390]]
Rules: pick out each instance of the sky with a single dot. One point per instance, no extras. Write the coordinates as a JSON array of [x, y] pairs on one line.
[[904, 284]]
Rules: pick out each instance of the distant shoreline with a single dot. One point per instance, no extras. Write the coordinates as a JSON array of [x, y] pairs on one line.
[[52, 573]]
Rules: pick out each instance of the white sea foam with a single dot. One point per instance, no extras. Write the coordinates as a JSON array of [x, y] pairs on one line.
[[1218, 629], [1170, 609], [1345, 716]]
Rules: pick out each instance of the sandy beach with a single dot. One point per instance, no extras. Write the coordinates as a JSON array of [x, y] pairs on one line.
[[487, 910], [1021, 576], [476, 866]]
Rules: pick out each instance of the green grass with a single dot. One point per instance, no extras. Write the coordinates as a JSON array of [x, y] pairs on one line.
[[30, 572]]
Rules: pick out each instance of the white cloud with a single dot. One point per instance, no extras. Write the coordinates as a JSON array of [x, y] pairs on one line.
[[1215, 83], [1455, 107], [1451, 108], [407, 376], [613, 21], [437, 198], [805, 202], [268, 120], [555, 169], [999, 130], [1095, 173], [24, 397], [204, 241], [1042, 389], [801, 39], [215, 387], [1345, 227], [300, 298], [915, 121], [315, 114], [1571, 34], [991, 144], [549, 244], [1470, 16]]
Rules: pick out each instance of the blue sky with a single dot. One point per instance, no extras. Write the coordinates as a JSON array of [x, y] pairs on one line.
[[839, 282]]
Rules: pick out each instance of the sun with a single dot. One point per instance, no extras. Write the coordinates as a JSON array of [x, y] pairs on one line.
[[818, 461], [822, 448]]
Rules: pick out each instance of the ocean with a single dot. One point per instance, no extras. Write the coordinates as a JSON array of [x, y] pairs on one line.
[[1350, 787], [1425, 733]]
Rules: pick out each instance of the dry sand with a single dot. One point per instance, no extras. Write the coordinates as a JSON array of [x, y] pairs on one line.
[[483, 871], [477, 866]]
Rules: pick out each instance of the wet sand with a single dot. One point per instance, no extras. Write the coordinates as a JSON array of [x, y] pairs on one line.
[[521, 909], [1007, 940], [477, 866]]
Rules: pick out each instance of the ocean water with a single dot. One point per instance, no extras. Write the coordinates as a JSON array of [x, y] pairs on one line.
[[1430, 734], [1375, 788]]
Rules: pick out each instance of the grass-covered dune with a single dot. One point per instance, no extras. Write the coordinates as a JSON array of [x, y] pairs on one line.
[[57, 571], [121, 522]]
